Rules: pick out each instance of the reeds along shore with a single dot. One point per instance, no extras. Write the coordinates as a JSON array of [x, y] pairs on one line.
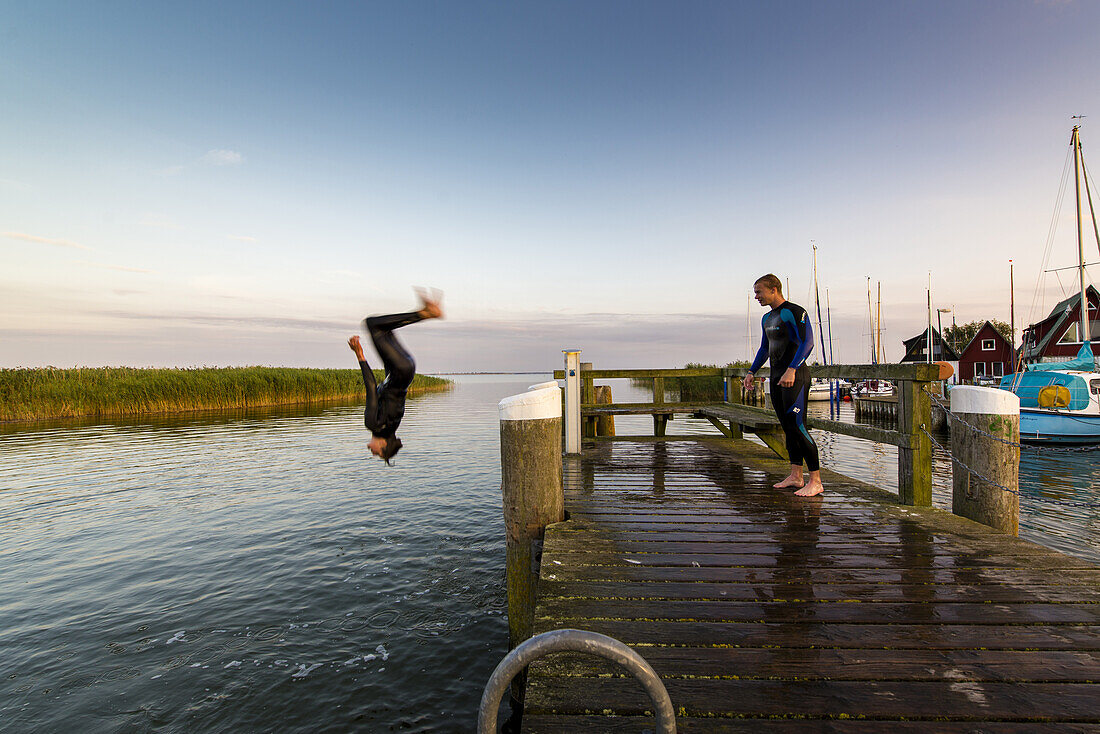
[[45, 393], [693, 389]]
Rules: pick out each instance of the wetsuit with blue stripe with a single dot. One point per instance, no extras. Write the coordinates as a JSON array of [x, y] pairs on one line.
[[386, 401], [787, 342]]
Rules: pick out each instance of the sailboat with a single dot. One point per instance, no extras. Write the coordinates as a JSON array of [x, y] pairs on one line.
[[1060, 401]]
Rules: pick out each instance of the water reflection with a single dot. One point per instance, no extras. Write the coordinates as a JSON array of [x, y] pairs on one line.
[[252, 570]]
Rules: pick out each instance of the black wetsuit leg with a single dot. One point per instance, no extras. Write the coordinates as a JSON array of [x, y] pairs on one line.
[[790, 408], [398, 363]]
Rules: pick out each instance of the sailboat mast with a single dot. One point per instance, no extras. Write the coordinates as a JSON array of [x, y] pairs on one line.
[[1084, 333], [748, 328], [817, 302], [930, 317], [1012, 303], [871, 324], [878, 326]]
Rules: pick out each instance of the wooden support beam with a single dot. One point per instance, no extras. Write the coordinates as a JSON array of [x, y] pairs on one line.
[[915, 460], [774, 439], [719, 425], [734, 397]]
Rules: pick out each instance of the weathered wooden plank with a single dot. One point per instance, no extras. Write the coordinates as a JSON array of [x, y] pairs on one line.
[[632, 572], [950, 700], [811, 612], [1047, 666], [747, 535], [868, 433], [830, 526], [639, 408], [854, 636], [583, 724], [741, 547], [748, 415], [822, 592], [893, 372], [754, 416], [647, 373], [817, 560], [752, 604]]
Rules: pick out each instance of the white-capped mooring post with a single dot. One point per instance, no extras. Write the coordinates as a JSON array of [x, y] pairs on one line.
[[981, 416], [572, 401], [531, 483]]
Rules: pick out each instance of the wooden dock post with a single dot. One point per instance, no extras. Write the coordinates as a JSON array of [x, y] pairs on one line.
[[995, 412], [588, 396], [572, 418], [659, 421], [735, 389], [915, 460], [531, 485], [605, 424]]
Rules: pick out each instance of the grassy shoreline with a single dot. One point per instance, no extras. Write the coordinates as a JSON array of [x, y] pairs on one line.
[[49, 393], [692, 389]]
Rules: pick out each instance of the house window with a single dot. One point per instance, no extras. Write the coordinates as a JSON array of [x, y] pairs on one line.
[[979, 368], [1071, 335], [998, 369], [988, 345]]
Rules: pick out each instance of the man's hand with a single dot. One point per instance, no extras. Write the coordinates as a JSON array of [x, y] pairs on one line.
[[747, 382], [787, 380], [356, 347]]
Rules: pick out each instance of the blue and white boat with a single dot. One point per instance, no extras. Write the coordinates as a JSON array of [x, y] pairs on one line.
[[1060, 401]]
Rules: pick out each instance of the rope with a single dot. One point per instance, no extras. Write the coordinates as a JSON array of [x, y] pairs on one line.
[[1003, 488], [1008, 442]]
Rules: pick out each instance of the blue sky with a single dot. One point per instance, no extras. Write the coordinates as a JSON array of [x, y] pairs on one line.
[[232, 183]]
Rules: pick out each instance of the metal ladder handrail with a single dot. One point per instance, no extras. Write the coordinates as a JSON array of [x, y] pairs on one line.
[[573, 640]]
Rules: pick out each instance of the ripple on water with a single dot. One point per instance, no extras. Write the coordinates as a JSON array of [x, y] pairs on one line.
[[257, 571]]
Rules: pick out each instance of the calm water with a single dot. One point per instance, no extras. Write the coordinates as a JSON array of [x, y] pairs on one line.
[[258, 571]]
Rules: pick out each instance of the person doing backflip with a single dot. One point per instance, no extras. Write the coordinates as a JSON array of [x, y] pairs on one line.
[[787, 341], [386, 400]]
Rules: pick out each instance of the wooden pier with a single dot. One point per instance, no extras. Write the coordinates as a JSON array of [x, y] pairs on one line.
[[886, 408], [764, 612]]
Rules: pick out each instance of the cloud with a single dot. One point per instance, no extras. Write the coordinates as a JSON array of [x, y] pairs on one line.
[[44, 240], [242, 238], [220, 157], [121, 268]]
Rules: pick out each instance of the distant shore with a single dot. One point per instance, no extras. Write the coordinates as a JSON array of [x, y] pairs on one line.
[[48, 393]]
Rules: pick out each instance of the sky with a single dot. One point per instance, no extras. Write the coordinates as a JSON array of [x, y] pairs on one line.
[[232, 183]]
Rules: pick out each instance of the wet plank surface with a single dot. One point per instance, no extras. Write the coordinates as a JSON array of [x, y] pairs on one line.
[[766, 612]]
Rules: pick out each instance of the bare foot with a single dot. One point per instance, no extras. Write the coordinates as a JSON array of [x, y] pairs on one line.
[[812, 489], [789, 481], [356, 347], [429, 303]]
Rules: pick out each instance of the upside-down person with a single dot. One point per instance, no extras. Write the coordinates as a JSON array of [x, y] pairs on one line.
[[386, 400], [787, 342]]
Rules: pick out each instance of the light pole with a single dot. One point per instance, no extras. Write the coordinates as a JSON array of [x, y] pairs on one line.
[[939, 319]]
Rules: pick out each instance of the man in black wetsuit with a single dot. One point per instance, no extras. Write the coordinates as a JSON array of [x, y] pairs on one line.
[[386, 401], [787, 342]]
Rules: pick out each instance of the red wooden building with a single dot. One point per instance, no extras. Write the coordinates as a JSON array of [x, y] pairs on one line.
[[988, 355], [1055, 338]]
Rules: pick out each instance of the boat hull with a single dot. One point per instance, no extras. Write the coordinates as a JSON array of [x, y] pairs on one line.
[[1062, 427]]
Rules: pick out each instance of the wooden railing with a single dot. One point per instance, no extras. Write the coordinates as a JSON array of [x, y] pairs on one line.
[[733, 417]]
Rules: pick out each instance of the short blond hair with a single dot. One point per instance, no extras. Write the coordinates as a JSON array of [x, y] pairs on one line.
[[771, 281]]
